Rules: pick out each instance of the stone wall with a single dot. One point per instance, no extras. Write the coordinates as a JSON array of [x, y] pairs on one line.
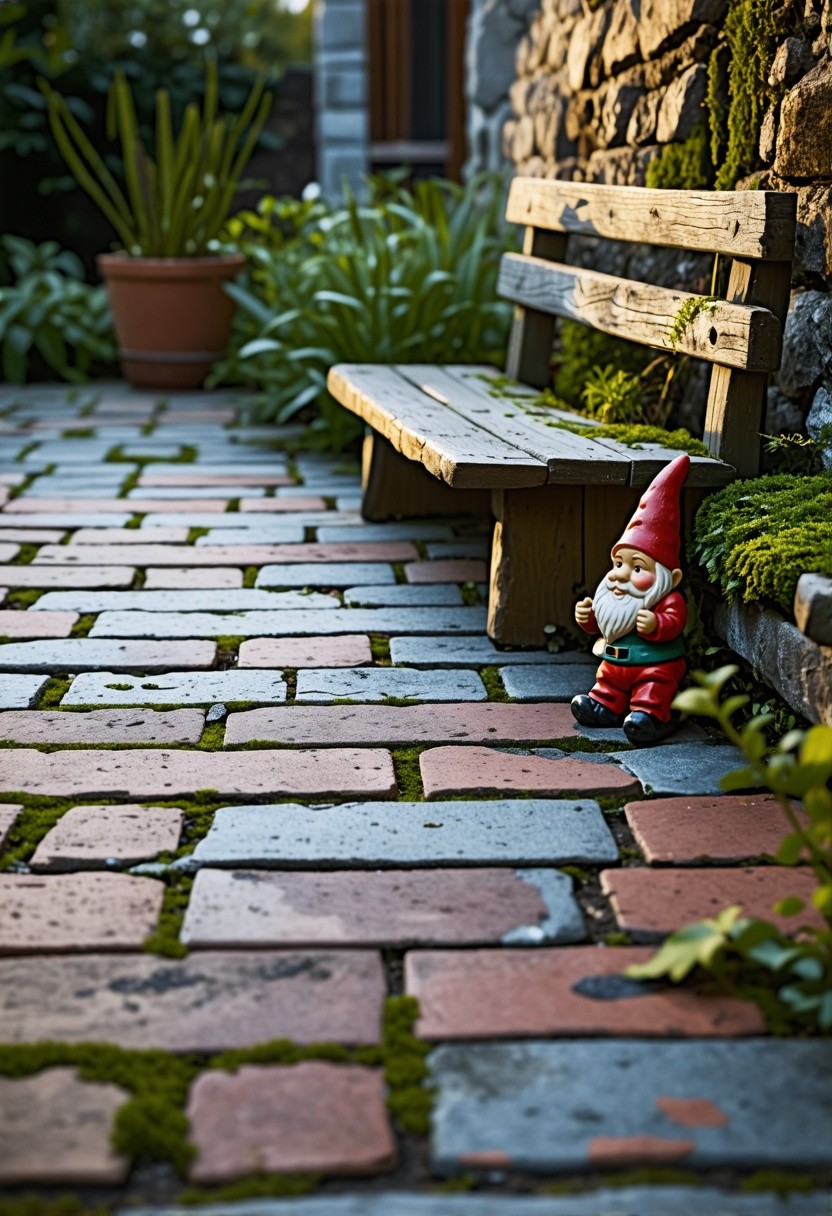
[[600, 91], [495, 27], [341, 111]]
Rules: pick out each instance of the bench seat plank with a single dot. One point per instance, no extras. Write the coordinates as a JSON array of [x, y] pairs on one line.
[[734, 335], [424, 430]]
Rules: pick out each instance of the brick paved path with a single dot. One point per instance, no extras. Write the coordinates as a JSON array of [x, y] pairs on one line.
[[264, 776]]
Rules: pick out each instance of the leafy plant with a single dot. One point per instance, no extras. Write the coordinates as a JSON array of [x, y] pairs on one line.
[[755, 538], [405, 277], [177, 204], [687, 314], [48, 310], [796, 453], [753, 955], [581, 349], [613, 395]]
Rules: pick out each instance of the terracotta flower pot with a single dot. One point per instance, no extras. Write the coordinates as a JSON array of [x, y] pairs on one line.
[[171, 315]]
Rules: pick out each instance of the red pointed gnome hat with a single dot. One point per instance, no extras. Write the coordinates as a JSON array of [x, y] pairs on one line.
[[656, 525]]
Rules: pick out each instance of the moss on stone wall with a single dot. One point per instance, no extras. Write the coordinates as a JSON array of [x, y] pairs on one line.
[[756, 538], [752, 30], [684, 166]]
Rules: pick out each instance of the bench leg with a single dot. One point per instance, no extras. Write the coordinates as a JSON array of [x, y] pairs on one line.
[[536, 563], [394, 486]]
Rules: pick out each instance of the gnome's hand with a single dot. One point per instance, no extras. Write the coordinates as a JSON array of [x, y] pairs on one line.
[[583, 611], [647, 622]]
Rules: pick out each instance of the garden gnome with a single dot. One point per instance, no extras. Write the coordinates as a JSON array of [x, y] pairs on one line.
[[640, 615]]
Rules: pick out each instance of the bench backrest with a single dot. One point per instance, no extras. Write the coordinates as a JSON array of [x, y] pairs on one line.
[[741, 335]]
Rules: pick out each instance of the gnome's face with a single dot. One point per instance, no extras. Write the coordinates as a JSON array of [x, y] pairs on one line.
[[635, 581]]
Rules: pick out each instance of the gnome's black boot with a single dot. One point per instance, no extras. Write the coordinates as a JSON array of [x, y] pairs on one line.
[[590, 712], [646, 729]]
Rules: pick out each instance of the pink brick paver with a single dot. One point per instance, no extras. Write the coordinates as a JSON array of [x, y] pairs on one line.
[[208, 1002], [102, 726], [335, 725], [9, 812], [494, 994], [184, 578], [139, 773], [19, 624], [32, 536], [221, 555], [454, 570], [648, 902], [732, 828], [88, 837], [281, 505], [55, 1128], [349, 908], [349, 650], [128, 536], [195, 478], [76, 912], [310, 1117], [114, 506], [481, 770], [66, 578]]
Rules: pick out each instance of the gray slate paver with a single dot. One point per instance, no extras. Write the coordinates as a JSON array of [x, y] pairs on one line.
[[177, 688], [288, 533], [404, 530], [288, 623], [404, 595], [91, 654], [192, 492], [458, 548], [552, 682], [551, 1107], [471, 652], [534, 831], [324, 685], [326, 574], [180, 601], [254, 522], [20, 692], [681, 768], [620, 1201]]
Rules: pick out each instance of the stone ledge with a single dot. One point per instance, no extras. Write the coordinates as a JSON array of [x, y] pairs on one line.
[[794, 665]]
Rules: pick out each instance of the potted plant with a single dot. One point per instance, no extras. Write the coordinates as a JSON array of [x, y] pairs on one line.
[[171, 315]]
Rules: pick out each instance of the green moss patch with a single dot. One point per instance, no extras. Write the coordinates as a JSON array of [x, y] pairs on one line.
[[36, 1205], [261, 1186], [408, 774], [683, 166], [634, 435], [755, 538], [165, 940], [490, 677]]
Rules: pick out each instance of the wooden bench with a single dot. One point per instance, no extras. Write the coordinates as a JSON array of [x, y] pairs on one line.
[[449, 439]]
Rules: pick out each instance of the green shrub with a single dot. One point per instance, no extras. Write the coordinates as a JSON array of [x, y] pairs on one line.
[[581, 350], [405, 277], [755, 538], [48, 310]]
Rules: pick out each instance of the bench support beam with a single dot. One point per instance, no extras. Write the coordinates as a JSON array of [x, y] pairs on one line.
[[395, 487]]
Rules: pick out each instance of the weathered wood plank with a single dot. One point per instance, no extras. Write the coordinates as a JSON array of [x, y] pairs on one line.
[[742, 223], [737, 399], [536, 562], [422, 429], [569, 457], [394, 487], [734, 335], [532, 331]]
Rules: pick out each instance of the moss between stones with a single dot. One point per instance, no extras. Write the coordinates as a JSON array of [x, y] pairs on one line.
[[261, 1186], [36, 1205], [380, 649], [683, 166], [490, 677], [83, 625], [26, 553], [23, 598], [408, 773], [38, 816], [165, 940], [755, 538]]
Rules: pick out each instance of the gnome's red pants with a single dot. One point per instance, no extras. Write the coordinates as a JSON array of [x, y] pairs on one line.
[[652, 689]]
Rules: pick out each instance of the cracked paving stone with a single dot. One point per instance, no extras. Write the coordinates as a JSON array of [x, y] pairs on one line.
[[175, 688], [378, 683], [508, 994], [310, 1117], [95, 837], [350, 650], [681, 768], [20, 692], [552, 682], [239, 908], [648, 903], [481, 770], [103, 726], [563, 1107], [67, 913], [21, 624], [326, 725], [153, 773], [90, 654], [55, 1129], [730, 828], [288, 622], [204, 1003], [533, 831], [66, 576]]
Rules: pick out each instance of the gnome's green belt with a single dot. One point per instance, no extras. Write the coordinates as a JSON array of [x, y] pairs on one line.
[[634, 651]]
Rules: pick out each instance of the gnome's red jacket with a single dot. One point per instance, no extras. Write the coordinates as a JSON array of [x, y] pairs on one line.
[[645, 650]]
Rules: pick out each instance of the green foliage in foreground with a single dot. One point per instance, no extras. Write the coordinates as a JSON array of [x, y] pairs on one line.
[[755, 538], [753, 957], [405, 277], [48, 310]]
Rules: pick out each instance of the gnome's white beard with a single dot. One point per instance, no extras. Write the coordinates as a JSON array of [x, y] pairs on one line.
[[616, 615]]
